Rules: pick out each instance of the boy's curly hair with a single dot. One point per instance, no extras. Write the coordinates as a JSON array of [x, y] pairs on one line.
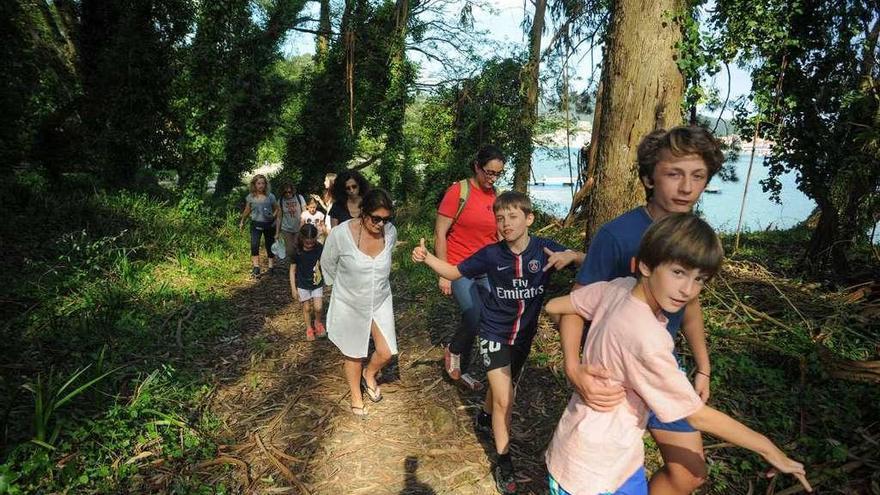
[[679, 141]]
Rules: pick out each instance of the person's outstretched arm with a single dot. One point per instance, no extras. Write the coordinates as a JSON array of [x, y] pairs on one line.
[[718, 424], [421, 254]]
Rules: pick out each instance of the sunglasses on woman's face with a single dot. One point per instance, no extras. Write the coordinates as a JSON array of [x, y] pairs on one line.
[[376, 219], [351, 188], [492, 174]]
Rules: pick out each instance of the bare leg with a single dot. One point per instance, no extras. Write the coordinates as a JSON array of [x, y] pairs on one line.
[[352, 368], [255, 261], [501, 390], [307, 312], [318, 306], [684, 468], [381, 356]]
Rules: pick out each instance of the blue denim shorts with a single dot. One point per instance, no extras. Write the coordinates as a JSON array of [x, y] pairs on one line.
[[680, 426], [637, 484]]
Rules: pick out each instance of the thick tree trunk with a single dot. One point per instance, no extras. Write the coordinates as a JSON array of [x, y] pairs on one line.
[[531, 84], [642, 90]]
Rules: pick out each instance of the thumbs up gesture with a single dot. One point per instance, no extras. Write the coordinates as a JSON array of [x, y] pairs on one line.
[[420, 252]]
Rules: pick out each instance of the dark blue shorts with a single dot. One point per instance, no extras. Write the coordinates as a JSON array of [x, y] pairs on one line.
[[680, 426], [637, 484]]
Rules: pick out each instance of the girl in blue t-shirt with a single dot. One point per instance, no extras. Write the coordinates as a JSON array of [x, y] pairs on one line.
[[263, 210], [306, 280]]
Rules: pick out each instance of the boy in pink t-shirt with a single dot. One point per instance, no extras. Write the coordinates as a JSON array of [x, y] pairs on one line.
[[602, 452]]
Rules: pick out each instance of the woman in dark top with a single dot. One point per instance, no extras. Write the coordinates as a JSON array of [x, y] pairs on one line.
[[349, 188]]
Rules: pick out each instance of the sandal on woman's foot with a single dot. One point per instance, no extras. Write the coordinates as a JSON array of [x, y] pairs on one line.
[[374, 394], [359, 412]]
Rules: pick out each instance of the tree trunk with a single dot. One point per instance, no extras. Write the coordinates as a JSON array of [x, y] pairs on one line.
[[642, 90], [523, 159], [322, 42]]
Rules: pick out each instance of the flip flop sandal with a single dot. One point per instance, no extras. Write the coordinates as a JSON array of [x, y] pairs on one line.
[[359, 412], [374, 394]]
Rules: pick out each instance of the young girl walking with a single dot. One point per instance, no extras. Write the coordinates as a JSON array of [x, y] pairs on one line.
[[307, 281]]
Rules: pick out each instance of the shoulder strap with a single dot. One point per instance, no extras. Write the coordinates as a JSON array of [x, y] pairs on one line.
[[464, 192]]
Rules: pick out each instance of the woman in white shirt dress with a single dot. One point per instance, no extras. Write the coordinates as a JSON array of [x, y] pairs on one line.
[[357, 263]]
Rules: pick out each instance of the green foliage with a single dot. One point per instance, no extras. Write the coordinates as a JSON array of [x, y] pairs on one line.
[[111, 278], [481, 110], [813, 93]]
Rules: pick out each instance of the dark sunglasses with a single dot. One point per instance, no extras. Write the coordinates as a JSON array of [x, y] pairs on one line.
[[351, 188], [492, 174], [376, 219]]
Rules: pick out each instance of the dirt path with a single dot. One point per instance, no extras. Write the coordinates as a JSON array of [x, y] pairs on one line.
[[284, 406]]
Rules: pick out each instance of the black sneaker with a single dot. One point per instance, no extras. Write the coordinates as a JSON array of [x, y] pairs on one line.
[[483, 423], [505, 482], [255, 272]]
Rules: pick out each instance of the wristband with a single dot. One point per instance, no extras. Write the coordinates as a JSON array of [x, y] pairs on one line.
[[703, 373]]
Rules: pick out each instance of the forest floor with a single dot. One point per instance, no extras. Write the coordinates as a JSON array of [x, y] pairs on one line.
[[284, 403]]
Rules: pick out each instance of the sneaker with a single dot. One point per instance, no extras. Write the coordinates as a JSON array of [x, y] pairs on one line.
[[255, 272], [483, 423], [320, 331], [471, 383], [310, 334], [505, 482], [453, 364]]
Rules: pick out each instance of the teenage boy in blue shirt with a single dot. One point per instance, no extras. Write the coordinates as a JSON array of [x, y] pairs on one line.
[[675, 166], [517, 268]]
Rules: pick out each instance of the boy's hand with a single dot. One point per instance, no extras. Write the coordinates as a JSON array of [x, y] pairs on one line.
[[701, 386], [599, 397], [559, 259], [783, 463], [445, 286], [420, 252]]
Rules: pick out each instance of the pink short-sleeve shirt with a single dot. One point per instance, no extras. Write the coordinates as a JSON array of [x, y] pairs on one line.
[[595, 452]]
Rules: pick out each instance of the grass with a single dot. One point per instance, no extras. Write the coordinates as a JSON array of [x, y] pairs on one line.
[[108, 299]]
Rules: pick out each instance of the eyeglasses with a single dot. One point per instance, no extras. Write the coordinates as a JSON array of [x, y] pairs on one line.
[[492, 174], [351, 188], [376, 219]]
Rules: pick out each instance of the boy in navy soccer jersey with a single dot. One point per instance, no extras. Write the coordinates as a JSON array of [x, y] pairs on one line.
[[517, 268]]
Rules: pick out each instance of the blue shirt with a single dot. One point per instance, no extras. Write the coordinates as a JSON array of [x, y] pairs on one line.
[[516, 288], [613, 251]]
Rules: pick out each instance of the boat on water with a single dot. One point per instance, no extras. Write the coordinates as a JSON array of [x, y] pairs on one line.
[[712, 190]]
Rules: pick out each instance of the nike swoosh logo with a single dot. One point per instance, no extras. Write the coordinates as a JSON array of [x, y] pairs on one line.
[[500, 268]]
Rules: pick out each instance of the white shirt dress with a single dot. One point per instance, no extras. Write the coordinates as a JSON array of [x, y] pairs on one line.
[[361, 291]]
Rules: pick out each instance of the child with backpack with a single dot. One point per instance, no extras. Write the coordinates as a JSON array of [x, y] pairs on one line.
[[603, 452], [307, 281]]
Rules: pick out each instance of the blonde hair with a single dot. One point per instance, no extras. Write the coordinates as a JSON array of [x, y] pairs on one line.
[[253, 184]]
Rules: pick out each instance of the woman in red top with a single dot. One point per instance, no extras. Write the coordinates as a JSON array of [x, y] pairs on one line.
[[458, 235]]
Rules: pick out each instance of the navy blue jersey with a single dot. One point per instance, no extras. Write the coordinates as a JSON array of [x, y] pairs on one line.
[[613, 252], [516, 288]]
